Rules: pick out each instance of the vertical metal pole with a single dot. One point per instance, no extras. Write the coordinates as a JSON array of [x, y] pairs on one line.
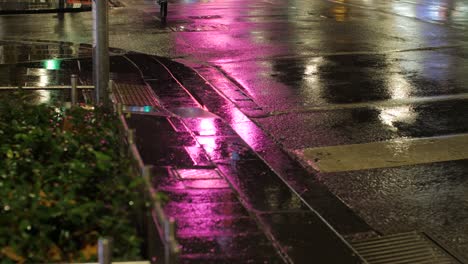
[[119, 108], [100, 50], [105, 251], [74, 82], [60, 9], [167, 244]]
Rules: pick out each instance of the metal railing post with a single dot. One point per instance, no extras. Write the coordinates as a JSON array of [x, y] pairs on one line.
[[171, 230], [171, 250], [61, 5], [167, 246], [131, 136], [74, 84], [174, 250], [119, 108], [61, 8], [105, 250], [111, 90], [100, 49]]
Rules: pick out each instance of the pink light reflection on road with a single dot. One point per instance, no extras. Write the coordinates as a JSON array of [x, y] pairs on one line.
[[235, 32], [218, 220], [247, 130]]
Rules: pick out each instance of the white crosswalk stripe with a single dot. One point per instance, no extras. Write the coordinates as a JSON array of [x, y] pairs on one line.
[[387, 153]]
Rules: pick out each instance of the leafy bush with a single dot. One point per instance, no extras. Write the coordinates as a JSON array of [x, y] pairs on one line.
[[63, 184]]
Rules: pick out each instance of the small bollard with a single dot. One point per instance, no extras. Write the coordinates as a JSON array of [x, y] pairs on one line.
[[74, 83], [105, 250]]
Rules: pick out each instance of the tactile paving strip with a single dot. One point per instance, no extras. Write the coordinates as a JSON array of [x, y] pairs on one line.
[[136, 95]]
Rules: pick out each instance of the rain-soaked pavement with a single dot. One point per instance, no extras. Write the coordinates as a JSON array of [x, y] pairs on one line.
[[209, 174], [302, 75]]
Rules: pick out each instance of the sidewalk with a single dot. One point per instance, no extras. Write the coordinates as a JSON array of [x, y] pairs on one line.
[[229, 205]]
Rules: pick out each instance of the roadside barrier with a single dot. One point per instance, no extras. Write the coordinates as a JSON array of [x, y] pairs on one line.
[[166, 225]]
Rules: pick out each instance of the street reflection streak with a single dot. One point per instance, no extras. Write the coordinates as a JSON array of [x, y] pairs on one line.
[[399, 88], [224, 42]]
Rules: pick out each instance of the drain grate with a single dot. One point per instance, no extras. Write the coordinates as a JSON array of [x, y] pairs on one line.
[[410, 248]]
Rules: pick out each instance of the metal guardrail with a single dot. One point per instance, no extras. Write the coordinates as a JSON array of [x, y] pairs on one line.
[[166, 225]]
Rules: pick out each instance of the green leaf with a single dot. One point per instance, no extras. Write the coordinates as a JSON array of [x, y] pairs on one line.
[[102, 160]]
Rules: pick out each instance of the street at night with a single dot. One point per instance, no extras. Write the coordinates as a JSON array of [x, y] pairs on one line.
[[347, 119]]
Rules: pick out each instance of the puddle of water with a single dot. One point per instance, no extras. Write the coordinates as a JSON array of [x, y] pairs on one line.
[[192, 112], [16, 52]]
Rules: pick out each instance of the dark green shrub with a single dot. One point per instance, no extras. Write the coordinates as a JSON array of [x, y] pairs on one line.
[[63, 184]]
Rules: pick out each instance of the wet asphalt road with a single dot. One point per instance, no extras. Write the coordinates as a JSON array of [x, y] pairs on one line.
[[357, 74]]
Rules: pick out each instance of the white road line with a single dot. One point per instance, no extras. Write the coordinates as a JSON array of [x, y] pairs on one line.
[[375, 104], [338, 53], [385, 154]]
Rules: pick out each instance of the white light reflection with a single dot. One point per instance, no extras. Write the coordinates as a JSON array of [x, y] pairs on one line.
[[399, 89], [42, 74], [44, 96], [43, 80], [312, 66], [245, 128], [207, 130], [312, 88], [207, 127]]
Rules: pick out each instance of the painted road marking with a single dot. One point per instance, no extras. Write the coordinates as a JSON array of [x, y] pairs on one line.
[[376, 104], [386, 154], [339, 53]]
